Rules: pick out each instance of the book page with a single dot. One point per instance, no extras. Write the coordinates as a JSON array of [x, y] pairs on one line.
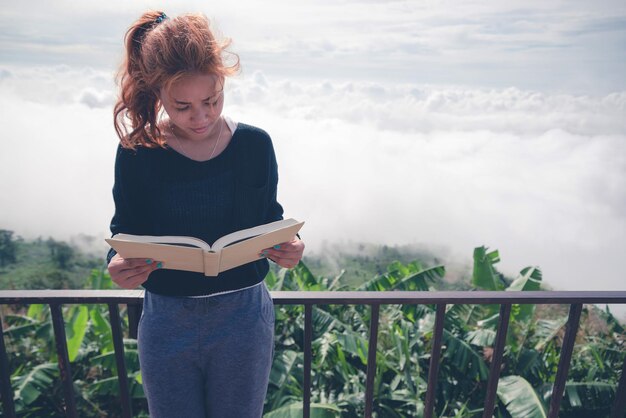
[[248, 250], [194, 242], [252, 232]]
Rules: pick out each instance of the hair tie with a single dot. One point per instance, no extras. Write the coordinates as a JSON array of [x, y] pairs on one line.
[[161, 18]]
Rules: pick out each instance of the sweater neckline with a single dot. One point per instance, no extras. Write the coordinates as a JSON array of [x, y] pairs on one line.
[[214, 159]]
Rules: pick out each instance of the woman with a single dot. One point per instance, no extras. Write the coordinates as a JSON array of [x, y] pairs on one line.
[[205, 344]]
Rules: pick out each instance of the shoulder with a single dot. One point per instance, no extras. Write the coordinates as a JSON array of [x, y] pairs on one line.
[[137, 162], [253, 136], [140, 152]]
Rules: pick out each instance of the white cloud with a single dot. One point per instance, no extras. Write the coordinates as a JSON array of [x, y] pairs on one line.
[[552, 46], [540, 176]]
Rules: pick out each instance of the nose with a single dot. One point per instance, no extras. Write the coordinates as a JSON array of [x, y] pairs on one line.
[[205, 113], [201, 114]]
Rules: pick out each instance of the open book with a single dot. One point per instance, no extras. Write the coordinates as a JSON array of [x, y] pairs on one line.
[[193, 254]]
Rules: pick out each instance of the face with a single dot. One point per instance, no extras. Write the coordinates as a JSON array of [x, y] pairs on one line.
[[194, 105]]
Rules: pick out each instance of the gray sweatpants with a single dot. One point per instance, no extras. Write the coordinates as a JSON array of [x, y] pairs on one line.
[[207, 357]]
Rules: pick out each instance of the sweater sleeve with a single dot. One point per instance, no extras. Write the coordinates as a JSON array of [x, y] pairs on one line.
[[125, 219], [275, 210]]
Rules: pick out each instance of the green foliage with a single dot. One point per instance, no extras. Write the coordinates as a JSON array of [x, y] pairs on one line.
[[47, 264], [294, 410], [61, 253], [519, 398], [340, 351], [37, 381], [8, 248], [484, 275]]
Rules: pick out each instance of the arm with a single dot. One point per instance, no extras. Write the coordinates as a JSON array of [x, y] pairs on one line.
[[286, 254], [127, 273]]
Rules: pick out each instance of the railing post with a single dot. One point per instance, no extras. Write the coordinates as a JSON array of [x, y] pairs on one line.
[[496, 360], [619, 405], [565, 358], [435, 354], [308, 334], [64, 361], [118, 346], [134, 313], [8, 405], [371, 361]]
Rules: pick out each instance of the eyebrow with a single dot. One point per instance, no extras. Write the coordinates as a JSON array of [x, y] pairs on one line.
[[204, 100]]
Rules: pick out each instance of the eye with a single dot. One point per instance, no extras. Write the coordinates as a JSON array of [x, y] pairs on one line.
[[182, 109]]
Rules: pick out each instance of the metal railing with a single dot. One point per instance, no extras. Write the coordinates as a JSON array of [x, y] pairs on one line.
[[133, 299]]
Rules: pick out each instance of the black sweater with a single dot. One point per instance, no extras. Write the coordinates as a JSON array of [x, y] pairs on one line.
[[161, 192]]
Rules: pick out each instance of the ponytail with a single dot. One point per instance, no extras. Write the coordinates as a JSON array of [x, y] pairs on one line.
[[138, 102]]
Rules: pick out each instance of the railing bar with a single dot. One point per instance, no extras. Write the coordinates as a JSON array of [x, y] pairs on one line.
[[571, 329], [8, 405], [76, 296], [118, 346], [496, 360], [134, 313], [435, 355], [371, 361], [619, 405], [308, 338], [64, 360]]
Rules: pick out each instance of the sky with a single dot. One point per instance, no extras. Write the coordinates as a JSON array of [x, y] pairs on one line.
[[442, 124]]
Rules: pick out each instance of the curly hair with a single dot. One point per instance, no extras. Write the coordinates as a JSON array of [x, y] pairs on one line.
[[159, 52]]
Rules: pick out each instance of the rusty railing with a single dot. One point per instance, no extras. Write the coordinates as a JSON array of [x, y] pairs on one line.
[[133, 299]]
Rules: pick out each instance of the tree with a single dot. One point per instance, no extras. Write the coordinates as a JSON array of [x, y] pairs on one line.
[[61, 252], [8, 248]]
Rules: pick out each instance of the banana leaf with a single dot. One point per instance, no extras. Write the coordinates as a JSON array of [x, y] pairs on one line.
[[294, 410], [484, 275], [404, 279], [31, 385], [76, 330], [519, 398], [528, 279], [464, 358]]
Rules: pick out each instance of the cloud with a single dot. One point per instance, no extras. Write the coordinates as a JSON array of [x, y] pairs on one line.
[[551, 46], [94, 98], [418, 108], [540, 176]]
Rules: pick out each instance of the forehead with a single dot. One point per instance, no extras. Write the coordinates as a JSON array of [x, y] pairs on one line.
[[196, 87]]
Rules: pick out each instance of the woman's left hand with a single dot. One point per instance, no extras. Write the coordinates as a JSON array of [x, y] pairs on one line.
[[286, 254]]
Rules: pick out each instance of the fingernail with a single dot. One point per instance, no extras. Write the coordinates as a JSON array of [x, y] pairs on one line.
[[264, 252], [261, 255], [159, 265], [277, 247], [148, 261]]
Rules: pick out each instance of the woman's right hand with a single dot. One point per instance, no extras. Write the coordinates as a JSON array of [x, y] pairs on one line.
[[129, 273]]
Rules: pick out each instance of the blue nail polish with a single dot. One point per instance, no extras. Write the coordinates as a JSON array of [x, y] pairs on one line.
[[277, 247], [148, 261], [159, 265]]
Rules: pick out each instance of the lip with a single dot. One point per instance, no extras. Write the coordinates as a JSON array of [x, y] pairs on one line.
[[200, 130]]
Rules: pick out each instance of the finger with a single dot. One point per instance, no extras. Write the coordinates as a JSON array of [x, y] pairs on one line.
[[286, 260], [285, 255], [286, 247], [137, 270], [137, 279], [136, 262], [153, 265]]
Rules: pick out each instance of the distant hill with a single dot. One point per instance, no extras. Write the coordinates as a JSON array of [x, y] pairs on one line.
[[43, 264], [48, 263]]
